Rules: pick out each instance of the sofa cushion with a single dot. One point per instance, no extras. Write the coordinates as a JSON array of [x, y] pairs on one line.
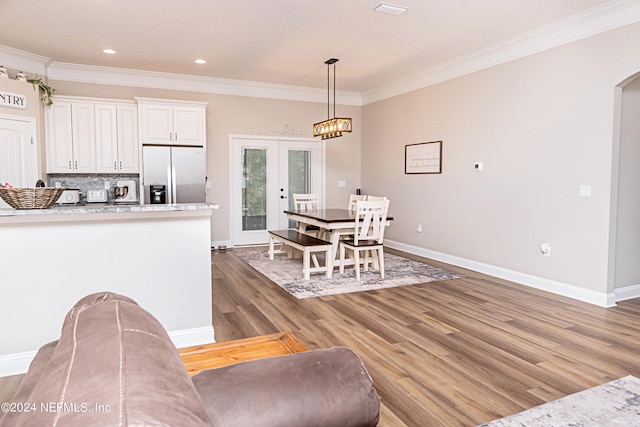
[[114, 365], [328, 387]]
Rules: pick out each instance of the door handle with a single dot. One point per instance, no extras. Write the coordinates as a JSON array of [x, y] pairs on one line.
[[283, 197]]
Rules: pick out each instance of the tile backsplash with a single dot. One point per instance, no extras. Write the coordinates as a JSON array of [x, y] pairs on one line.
[[84, 182]]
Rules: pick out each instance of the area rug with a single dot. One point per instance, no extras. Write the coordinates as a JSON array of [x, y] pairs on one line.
[[287, 273], [616, 403]]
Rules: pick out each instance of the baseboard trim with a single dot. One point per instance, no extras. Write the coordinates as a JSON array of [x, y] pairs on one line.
[[558, 288], [18, 363], [191, 337], [627, 292]]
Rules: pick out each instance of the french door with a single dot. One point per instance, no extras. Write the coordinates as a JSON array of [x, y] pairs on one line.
[[265, 172]]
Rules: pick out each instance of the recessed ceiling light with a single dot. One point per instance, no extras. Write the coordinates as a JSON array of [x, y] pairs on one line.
[[390, 9], [109, 51], [200, 61]]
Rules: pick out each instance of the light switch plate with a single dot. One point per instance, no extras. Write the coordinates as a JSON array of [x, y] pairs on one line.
[[342, 184], [584, 191]]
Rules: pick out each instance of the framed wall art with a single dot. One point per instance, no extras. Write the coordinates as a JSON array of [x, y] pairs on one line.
[[425, 157]]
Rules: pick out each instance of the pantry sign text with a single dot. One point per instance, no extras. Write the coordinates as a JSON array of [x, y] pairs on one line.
[[13, 100]]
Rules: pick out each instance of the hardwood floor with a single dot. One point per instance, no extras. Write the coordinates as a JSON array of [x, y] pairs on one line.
[[452, 353]]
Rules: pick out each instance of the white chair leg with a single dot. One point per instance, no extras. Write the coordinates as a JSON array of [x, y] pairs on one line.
[[356, 254], [381, 262], [366, 260], [342, 250], [375, 265]]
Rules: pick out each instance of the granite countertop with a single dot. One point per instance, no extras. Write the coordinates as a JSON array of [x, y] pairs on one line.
[[101, 208]]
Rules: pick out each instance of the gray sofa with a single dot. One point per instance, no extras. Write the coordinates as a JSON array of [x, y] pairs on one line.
[[115, 365]]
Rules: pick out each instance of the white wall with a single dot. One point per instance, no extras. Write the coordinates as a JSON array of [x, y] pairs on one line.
[[542, 125]]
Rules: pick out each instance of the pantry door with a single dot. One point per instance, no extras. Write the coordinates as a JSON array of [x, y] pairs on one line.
[[18, 152], [265, 172]]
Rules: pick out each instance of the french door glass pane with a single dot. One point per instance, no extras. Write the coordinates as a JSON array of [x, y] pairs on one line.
[[299, 175], [254, 189]]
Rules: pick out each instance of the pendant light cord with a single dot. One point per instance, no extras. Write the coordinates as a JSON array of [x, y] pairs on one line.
[[328, 95], [334, 89]]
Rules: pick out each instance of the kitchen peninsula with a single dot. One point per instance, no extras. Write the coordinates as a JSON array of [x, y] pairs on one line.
[[159, 255]]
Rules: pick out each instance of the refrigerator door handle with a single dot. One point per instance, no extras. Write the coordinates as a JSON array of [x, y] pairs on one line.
[[169, 185], [174, 190]]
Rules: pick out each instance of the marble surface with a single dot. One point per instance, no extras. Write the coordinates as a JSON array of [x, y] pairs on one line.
[[103, 208]]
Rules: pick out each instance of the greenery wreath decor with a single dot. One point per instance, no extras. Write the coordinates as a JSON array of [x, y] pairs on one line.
[[47, 91]]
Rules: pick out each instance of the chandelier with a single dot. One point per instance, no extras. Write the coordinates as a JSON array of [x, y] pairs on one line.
[[332, 127]]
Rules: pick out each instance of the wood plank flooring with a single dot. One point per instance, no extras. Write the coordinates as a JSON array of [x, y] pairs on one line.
[[452, 353]]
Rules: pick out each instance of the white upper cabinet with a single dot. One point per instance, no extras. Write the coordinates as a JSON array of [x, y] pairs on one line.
[[168, 122], [59, 138], [92, 136], [83, 128], [71, 137], [117, 145], [128, 146]]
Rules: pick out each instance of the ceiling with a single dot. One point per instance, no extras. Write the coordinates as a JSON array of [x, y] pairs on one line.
[[278, 41]]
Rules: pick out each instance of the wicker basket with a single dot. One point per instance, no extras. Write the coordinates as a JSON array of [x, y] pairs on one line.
[[31, 198]]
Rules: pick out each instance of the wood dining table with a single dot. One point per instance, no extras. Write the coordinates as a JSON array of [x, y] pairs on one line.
[[334, 224]]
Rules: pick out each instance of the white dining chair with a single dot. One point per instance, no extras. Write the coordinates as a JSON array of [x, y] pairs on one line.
[[304, 203], [375, 198], [368, 236], [353, 198]]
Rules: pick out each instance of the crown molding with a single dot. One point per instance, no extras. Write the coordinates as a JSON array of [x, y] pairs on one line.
[[23, 61], [152, 79], [594, 21]]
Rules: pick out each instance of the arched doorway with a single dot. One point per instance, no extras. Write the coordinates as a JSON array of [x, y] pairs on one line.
[[624, 251]]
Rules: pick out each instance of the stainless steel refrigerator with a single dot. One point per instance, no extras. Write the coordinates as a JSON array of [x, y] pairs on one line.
[[180, 170]]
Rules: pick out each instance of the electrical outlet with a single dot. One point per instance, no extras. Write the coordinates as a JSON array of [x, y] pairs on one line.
[[419, 229], [107, 185]]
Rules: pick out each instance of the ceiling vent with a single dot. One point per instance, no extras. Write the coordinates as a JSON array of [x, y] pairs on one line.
[[391, 9]]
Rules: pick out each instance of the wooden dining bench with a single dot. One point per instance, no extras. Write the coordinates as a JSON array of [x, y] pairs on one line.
[[308, 245]]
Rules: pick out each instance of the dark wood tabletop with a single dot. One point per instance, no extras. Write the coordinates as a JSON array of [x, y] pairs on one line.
[[329, 215]]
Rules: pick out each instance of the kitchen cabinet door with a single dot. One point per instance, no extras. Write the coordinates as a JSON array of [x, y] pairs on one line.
[[106, 138], [84, 137], [59, 138], [128, 146], [164, 122], [116, 138], [156, 124], [189, 126]]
